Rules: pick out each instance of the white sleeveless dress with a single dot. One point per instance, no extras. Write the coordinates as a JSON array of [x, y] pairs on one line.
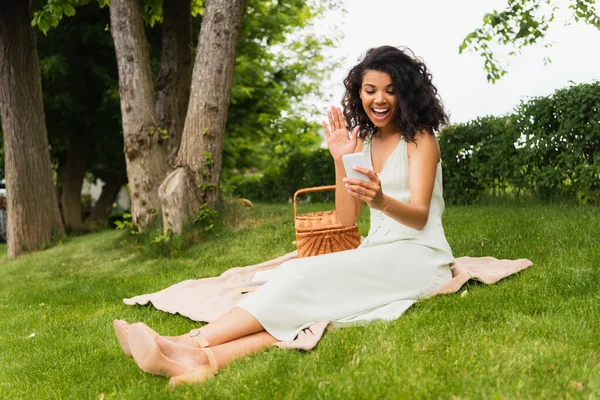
[[393, 268]]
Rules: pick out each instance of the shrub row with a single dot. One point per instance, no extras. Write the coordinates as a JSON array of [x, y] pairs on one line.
[[279, 183], [548, 148]]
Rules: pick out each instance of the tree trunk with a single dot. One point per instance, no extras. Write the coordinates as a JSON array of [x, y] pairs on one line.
[[173, 81], [144, 155], [110, 190], [33, 216], [72, 177], [200, 153]]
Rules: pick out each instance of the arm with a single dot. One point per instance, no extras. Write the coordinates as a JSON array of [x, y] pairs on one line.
[[347, 206], [423, 159], [341, 143]]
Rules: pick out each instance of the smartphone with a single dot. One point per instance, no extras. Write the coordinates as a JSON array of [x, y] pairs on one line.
[[358, 160]]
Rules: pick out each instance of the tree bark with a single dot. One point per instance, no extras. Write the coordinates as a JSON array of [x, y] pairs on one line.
[[33, 215], [110, 190], [144, 155], [72, 177], [173, 81], [200, 153]]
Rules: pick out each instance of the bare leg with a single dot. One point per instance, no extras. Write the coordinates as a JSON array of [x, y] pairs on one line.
[[159, 356], [221, 355], [224, 353], [235, 324], [227, 352]]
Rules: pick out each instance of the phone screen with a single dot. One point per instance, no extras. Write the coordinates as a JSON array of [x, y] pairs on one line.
[[358, 160]]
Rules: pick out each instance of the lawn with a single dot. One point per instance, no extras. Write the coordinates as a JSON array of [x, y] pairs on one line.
[[532, 335]]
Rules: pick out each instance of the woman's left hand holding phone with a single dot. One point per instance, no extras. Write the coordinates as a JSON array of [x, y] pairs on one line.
[[369, 192], [339, 141]]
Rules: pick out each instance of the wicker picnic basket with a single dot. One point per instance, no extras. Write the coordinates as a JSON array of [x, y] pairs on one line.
[[321, 232]]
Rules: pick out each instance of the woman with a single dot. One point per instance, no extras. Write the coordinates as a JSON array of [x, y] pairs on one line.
[[393, 106]]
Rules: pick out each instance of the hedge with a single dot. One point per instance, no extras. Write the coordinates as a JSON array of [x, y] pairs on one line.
[[301, 170], [548, 148]]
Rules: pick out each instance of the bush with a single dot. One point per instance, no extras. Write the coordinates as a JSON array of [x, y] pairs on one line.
[[301, 170], [478, 156], [548, 148]]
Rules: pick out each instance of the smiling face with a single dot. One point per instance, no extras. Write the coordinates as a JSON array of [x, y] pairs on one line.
[[378, 100]]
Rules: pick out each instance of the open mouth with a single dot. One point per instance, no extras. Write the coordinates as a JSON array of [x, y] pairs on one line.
[[380, 113]]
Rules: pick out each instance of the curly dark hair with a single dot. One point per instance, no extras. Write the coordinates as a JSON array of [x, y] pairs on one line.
[[418, 104]]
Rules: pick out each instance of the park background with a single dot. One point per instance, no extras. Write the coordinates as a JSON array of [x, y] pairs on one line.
[[522, 180]]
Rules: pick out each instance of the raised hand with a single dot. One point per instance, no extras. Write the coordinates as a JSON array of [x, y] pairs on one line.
[[339, 141]]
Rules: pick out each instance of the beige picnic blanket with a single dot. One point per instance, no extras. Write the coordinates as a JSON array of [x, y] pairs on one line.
[[209, 298]]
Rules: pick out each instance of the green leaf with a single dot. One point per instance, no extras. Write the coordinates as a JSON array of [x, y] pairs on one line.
[[69, 10]]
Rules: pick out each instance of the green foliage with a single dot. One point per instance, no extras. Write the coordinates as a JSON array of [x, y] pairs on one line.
[[50, 15], [167, 244], [274, 72], [208, 223], [80, 90], [309, 169], [562, 143], [51, 12], [162, 238], [585, 11], [206, 217], [125, 223], [523, 23], [197, 8], [301, 170], [476, 156], [208, 159], [203, 171], [153, 11], [206, 187], [548, 148], [279, 63], [162, 133]]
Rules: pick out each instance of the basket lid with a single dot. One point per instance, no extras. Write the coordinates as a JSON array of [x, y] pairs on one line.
[[317, 221]]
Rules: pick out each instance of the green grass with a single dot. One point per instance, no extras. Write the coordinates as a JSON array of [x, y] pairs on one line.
[[532, 335]]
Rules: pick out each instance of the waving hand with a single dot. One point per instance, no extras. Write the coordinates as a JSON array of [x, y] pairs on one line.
[[338, 140]]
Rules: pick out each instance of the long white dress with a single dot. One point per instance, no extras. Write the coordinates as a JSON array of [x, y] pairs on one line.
[[393, 268]]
